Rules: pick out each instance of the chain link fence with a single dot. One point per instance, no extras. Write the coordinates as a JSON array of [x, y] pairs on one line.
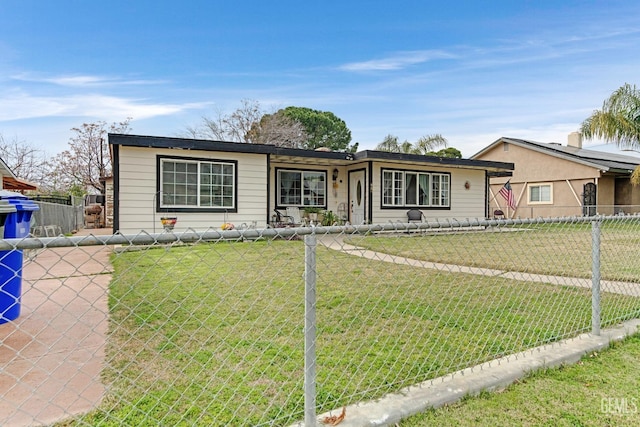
[[270, 327]]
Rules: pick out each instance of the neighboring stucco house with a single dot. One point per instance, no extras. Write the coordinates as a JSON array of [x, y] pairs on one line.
[[551, 180], [207, 183]]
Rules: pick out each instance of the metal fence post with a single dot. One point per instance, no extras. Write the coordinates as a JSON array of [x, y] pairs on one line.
[[595, 277], [310, 330]]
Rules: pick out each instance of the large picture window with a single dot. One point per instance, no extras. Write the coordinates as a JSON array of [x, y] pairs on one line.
[[415, 189], [302, 188], [197, 184]]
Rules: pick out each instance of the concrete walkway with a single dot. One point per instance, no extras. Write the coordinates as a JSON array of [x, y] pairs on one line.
[[616, 287], [53, 354]]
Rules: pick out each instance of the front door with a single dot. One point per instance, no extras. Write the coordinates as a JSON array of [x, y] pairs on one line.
[[589, 199], [357, 197]]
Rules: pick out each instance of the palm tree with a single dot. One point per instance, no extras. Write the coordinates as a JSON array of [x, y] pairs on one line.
[[390, 144], [618, 121], [428, 144], [425, 145]]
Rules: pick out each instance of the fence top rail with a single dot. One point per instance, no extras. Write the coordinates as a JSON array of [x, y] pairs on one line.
[[194, 236]]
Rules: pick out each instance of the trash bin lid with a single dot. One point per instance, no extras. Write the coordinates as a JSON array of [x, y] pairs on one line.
[[6, 207], [20, 201], [23, 204], [6, 194]]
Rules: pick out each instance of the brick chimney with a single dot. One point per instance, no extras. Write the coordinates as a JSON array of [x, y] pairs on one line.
[[575, 140]]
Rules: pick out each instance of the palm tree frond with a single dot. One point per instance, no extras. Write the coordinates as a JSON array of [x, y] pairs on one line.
[[429, 143], [619, 119]]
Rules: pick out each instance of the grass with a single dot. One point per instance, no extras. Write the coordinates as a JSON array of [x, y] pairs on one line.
[[212, 334], [601, 390], [555, 249]]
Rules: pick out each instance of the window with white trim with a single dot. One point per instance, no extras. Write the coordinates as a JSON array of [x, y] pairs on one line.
[[197, 184], [540, 193], [415, 189], [302, 188]]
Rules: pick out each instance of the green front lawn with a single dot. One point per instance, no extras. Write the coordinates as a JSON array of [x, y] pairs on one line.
[[212, 334]]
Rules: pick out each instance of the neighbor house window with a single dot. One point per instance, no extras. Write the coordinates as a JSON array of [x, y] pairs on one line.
[[415, 189], [197, 184], [302, 188], [541, 193]]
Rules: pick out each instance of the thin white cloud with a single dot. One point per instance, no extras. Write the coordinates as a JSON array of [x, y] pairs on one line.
[[507, 52], [19, 106], [80, 80], [398, 61]]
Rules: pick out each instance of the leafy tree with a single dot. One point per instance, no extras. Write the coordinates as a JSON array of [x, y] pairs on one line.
[[449, 152], [425, 145], [323, 128], [296, 127], [87, 160], [618, 121]]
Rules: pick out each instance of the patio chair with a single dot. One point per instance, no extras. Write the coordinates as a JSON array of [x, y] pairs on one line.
[[296, 217], [415, 215], [498, 214], [281, 219]]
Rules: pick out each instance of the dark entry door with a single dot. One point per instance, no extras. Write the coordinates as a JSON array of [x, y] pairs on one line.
[[589, 199]]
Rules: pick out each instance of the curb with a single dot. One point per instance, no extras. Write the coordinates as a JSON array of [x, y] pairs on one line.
[[490, 376]]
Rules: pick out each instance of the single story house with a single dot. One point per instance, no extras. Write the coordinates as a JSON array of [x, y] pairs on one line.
[[553, 180], [205, 184]]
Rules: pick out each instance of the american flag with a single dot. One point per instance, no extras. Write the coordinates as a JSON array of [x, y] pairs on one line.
[[507, 192]]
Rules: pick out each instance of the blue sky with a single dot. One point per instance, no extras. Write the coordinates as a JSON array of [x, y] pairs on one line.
[[472, 71]]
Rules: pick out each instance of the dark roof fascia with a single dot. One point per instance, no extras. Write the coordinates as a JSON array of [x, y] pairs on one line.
[[444, 161], [499, 174], [237, 147], [209, 145]]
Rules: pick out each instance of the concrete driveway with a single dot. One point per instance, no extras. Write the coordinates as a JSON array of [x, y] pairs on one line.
[[52, 355]]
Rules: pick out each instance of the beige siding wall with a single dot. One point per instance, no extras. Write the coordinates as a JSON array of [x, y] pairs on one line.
[[137, 191], [465, 203]]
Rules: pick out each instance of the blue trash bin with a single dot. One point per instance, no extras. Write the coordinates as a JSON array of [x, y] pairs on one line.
[[16, 225], [6, 208]]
